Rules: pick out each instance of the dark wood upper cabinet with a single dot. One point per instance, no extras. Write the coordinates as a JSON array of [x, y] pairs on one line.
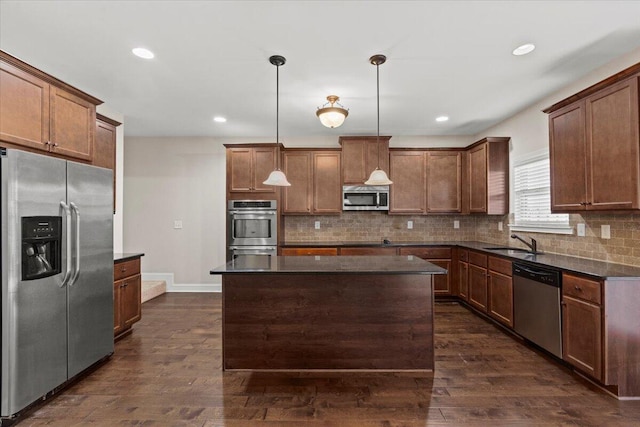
[[42, 113], [104, 154], [594, 147], [361, 155], [488, 176], [315, 182], [444, 182], [248, 166], [407, 170]]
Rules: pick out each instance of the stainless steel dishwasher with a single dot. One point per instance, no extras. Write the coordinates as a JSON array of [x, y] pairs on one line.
[[536, 306]]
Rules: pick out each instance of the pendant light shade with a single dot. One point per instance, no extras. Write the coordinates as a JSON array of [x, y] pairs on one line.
[[378, 176], [277, 177], [332, 116]]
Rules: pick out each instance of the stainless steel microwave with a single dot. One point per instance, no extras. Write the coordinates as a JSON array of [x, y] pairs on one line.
[[365, 198]]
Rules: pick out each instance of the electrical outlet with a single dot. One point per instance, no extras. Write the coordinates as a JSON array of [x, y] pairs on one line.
[[410, 225], [605, 231], [456, 224], [177, 224], [500, 226], [581, 230], [317, 225]]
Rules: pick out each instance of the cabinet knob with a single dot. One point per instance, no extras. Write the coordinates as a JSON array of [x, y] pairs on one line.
[[577, 288], [55, 144], [123, 269], [47, 143]]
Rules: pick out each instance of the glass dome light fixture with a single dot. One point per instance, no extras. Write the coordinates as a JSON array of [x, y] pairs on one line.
[[332, 116], [277, 177], [378, 176]]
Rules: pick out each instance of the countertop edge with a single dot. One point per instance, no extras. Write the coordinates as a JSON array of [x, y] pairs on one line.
[[121, 257]]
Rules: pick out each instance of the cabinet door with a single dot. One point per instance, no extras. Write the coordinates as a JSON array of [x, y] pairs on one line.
[[612, 142], [444, 181], [442, 282], [408, 173], [264, 162], [24, 108], [478, 287], [105, 151], [327, 190], [567, 159], [131, 300], [354, 162], [239, 172], [297, 167], [117, 310], [501, 298], [478, 179], [582, 336], [72, 125], [463, 278]]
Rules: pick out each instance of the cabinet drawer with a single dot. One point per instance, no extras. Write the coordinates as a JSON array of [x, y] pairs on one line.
[[308, 251], [427, 253], [580, 287], [367, 251], [500, 265], [478, 259], [126, 269], [463, 255]]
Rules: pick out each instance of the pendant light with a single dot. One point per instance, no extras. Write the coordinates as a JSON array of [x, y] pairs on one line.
[[332, 116], [277, 177], [378, 176]]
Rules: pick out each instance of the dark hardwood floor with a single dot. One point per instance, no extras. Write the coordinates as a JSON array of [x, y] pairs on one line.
[[167, 373]]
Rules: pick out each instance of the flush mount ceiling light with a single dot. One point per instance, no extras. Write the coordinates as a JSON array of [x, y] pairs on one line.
[[277, 177], [219, 119], [524, 49], [378, 176], [442, 118], [142, 53], [332, 116]]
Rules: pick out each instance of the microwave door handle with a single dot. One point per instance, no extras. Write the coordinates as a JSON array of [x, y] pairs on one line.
[[67, 214], [377, 199]]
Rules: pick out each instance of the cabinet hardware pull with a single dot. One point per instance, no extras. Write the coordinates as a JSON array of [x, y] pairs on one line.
[[47, 143], [55, 144], [578, 288]]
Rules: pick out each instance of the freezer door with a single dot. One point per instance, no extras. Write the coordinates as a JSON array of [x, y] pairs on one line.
[[34, 314], [90, 292]]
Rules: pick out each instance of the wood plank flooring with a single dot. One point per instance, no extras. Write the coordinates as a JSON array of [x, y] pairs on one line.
[[167, 373]]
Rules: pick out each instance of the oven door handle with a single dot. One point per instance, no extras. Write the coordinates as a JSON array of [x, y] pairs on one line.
[[251, 248], [252, 212]]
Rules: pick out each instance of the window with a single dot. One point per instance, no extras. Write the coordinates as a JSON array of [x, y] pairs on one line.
[[532, 206]]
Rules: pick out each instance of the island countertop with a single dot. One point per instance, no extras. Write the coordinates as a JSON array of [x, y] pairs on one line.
[[262, 264]]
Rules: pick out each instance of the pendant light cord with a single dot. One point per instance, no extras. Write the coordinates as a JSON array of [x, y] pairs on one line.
[[378, 110], [278, 116]]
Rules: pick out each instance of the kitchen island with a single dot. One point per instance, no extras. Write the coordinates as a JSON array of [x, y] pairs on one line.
[[328, 313]]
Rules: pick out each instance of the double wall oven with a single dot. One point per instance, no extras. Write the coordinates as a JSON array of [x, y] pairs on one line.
[[252, 228]]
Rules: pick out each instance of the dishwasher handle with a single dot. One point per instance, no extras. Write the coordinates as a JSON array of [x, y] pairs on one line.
[[548, 276]]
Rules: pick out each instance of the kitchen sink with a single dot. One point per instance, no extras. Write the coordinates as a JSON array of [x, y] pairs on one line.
[[506, 248]]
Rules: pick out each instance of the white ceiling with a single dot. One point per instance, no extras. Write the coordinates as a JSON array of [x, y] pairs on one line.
[[443, 58]]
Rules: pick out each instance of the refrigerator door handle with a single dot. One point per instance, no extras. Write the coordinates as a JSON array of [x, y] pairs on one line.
[[76, 272], [67, 214]]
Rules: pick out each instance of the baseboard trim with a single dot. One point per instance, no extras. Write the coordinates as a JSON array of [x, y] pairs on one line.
[[182, 287]]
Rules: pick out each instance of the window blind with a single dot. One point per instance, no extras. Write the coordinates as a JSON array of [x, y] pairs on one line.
[[533, 196]]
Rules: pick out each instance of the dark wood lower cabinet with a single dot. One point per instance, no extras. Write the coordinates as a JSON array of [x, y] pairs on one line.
[[308, 251], [463, 280], [478, 287], [582, 336], [368, 251], [127, 292], [501, 298]]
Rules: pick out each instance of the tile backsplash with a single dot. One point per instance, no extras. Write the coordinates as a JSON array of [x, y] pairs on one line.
[[623, 247]]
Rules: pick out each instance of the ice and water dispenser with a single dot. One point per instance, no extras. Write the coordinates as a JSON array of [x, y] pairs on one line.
[[41, 246]]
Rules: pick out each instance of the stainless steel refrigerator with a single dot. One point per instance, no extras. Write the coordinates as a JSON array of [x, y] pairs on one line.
[[57, 274]]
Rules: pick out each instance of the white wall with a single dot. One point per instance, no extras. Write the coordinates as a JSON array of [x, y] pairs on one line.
[[118, 242]]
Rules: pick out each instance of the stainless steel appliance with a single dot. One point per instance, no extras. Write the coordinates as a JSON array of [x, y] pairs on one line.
[[536, 306], [252, 228], [365, 198], [57, 274]]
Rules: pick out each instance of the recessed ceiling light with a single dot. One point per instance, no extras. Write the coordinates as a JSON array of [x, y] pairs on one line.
[[442, 119], [142, 52], [219, 119], [524, 49]]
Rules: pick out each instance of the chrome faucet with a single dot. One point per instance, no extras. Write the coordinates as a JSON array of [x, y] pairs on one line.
[[533, 245]]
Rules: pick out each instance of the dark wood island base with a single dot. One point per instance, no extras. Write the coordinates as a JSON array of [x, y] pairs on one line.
[[347, 313]]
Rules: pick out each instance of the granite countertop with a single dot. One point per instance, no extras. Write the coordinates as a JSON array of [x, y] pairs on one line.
[[119, 257], [600, 269], [328, 265]]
